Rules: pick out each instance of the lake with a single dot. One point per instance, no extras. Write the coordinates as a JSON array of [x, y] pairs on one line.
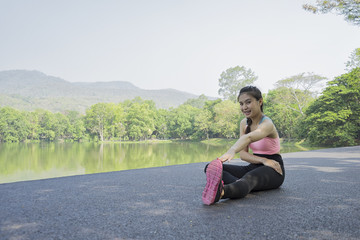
[[32, 161]]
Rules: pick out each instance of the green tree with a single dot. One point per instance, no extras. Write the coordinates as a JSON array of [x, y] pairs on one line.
[[181, 121], [354, 60], [227, 119], [334, 118], [76, 128], [115, 122], [140, 118], [33, 120], [233, 79], [96, 119], [62, 126], [210, 106], [13, 125], [350, 9], [119, 119], [197, 102], [106, 121], [161, 126], [202, 123], [283, 111], [297, 90], [48, 128]]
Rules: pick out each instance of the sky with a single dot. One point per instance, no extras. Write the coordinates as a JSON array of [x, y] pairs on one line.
[[179, 44]]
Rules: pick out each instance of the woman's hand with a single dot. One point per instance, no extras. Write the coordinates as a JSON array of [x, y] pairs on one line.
[[230, 154], [273, 164]]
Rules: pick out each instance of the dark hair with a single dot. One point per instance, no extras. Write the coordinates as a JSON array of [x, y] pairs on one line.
[[254, 92]]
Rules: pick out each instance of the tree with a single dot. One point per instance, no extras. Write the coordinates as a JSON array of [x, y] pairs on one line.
[[96, 117], [47, 125], [203, 122], [181, 121], [118, 122], [140, 118], [161, 127], [115, 121], [350, 9], [62, 126], [233, 79], [197, 102], [13, 125], [77, 128], [354, 61], [227, 119], [33, 120], [298, 90], [210, 107], [334, 118], [279, 106]]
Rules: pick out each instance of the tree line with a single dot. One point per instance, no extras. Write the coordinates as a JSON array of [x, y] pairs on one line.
[[328, 118]]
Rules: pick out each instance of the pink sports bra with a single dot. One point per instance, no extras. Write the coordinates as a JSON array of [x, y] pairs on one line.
[[266, 145]]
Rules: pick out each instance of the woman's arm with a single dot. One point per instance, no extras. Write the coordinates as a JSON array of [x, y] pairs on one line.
[[251, 158], [264, 130]]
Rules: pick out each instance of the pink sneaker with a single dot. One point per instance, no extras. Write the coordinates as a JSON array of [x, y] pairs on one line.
[[214, 185]]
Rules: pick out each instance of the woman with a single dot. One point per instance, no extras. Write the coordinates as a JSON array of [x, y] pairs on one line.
[[266, 168]]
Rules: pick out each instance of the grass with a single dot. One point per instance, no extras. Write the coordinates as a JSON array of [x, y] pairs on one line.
[[219, 141]]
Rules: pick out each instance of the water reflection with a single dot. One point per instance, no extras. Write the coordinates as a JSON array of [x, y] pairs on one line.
[[30, 161]]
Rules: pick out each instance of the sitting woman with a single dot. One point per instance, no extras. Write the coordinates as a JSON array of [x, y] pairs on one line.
[[266, 168]]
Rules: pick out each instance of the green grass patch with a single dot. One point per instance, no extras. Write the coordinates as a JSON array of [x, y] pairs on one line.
[[219, 141]]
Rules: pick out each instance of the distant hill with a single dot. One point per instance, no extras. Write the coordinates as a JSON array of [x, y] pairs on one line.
[[29, 90]]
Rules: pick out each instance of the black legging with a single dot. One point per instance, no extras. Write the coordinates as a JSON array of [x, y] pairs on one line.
[[240, 180]]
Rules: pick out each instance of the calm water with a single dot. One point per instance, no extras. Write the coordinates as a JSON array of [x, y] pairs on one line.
[[30, 161]]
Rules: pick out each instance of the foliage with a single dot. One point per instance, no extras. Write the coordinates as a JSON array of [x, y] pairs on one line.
[[140, 118], [13, 125], [298, 113], [354, 60], [76, 130], [47, 124], [334, 118], [233, 79], [197, 102], [227, 119], [161, 126], [297, 91], [202, 123], [181, 121], [97, 118], [350, 9], [282, 109], [286, 104]]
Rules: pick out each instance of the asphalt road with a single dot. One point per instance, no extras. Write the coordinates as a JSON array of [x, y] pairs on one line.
[[320, 199]]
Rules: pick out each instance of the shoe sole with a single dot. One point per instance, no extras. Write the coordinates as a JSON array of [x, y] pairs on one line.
[[213, 179]]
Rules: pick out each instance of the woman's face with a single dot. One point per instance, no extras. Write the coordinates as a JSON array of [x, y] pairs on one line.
[[249, 106]]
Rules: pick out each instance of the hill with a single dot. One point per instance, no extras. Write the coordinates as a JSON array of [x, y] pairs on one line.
[[29, 90]]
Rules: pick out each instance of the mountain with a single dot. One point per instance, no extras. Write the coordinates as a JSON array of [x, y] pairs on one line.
[[29, 90]]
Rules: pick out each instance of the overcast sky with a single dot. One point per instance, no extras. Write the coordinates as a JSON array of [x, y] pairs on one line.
[[185, 45]]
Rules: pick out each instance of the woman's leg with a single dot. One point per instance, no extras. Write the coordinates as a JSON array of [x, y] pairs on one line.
[[232, 173], [259, 178]]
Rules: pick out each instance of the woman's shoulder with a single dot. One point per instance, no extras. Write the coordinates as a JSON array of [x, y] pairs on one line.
[[243, 122], [265, 118], [274, 133]]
